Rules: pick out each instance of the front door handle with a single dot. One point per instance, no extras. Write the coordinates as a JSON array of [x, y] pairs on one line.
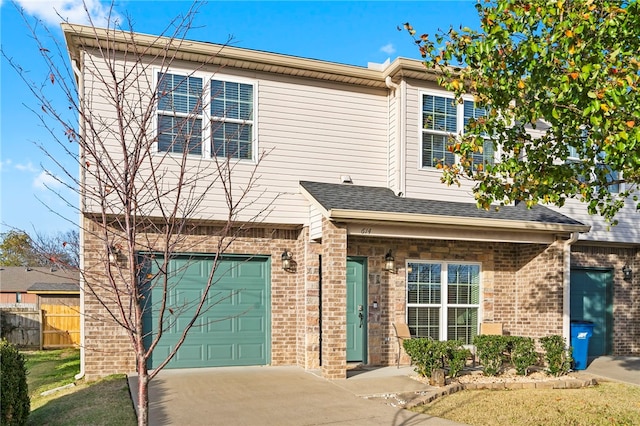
[[361, 316]]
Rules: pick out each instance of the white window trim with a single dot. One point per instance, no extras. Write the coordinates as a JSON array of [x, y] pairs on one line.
[[205, 116], [444, 293], [459, 124]]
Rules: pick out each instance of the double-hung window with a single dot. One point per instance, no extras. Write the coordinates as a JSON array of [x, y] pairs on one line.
[[443, 117], [612, 176], [204, 117], [443, 300], [472, 112], [232, 119], [179, 114]]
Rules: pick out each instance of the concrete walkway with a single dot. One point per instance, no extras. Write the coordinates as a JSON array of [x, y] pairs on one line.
[[619, 368], [281, 396]]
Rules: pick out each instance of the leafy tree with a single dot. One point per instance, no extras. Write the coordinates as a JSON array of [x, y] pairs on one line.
[[565, 71], [17, 248]]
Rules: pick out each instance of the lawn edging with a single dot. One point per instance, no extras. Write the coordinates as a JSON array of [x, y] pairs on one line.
[[411, 400]]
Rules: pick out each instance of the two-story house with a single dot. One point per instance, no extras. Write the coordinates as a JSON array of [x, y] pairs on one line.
[[360, 232]]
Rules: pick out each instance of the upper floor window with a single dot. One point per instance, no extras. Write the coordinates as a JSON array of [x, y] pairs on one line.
[[179, 114], [232, 119], [205, 121], [610, 175], [442, 116]]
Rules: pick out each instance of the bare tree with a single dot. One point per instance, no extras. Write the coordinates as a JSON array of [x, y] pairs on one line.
[[144, 177]]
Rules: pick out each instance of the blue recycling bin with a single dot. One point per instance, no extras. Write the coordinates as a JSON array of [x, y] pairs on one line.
[[581, 332]]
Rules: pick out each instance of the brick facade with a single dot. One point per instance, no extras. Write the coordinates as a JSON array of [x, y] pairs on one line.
[[626, 294], [521, 287]]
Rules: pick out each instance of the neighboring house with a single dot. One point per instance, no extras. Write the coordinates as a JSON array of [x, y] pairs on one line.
[[41, 306], [352, 188]]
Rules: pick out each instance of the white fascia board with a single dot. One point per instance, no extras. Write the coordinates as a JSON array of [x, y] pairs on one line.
[[340, 214]]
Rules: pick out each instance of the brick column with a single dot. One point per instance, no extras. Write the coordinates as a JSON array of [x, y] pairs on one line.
[[334, 300]]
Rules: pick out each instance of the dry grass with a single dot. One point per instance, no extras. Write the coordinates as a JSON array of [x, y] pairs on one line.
[[605, 404]]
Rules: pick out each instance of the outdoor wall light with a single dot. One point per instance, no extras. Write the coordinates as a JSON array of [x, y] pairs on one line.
[[287, 260], [114, 254], [389, 262], [627, 272]]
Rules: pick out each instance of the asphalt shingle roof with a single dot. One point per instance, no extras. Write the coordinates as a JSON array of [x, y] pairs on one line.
[[19, 278], [378, 199]]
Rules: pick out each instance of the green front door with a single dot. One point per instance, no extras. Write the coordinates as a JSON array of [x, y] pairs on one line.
[[356, 310], [234, 327], [592, 300]]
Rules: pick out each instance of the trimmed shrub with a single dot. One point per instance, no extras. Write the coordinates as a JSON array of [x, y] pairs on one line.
[[557, 355], [523, 353], [456, 357], [428, 354], [490, 350], [15, 406]]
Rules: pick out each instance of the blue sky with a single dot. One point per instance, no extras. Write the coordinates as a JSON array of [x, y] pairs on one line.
[[354, 32]]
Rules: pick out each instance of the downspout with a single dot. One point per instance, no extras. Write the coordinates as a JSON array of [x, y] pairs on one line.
[[81, 131], [566, 286], [400, 129]]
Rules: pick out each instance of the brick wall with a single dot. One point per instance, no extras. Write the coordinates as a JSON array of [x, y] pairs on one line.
[[334, 297], [108, 348], [626, 294], [517, 279]]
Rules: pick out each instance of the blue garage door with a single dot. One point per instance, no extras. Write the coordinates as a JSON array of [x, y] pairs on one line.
[[234, 327]]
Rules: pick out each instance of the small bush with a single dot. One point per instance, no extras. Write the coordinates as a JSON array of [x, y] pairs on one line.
[[491, 351], [426, 354], [15, 406], [557, 355], [523, 353], [456, 357]]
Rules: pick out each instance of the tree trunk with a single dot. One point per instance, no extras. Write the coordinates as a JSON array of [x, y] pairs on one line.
[[143, 392]]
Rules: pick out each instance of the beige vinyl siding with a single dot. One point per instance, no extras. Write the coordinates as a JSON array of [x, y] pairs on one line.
[[627, 230], [425, 182], [310, 130]]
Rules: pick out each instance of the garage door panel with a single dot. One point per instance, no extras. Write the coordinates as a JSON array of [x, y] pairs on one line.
[[255, 324], [188, 353], [222, 353], [234, 328]]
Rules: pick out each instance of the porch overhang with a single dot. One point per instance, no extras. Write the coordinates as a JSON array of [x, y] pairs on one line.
[[376, 211]]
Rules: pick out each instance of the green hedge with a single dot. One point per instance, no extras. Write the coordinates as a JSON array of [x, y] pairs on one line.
[[15, 403], [428, 354]]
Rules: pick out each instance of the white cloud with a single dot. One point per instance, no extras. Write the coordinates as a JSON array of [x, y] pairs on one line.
[[53, 12], [29, 167], [388, 49], [46, 180], [5, 164]]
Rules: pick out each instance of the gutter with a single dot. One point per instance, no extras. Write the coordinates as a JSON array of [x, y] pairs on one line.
[[359, 215], [81, 131], [398, 136], [566, 287]]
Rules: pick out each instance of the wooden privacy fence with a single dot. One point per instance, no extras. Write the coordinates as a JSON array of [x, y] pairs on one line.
[[60, 326], [21, 325]]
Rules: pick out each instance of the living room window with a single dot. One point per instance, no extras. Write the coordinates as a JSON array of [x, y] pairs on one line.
[[443, 300], [186, 105], [442, 117]]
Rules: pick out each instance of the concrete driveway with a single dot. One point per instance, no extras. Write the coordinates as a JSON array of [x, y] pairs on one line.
[[279, 396]]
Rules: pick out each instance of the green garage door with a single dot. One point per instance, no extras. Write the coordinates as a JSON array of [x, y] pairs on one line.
[[235, 326]]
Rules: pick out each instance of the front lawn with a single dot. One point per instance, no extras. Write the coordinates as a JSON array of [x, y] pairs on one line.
[[103, 402], [605, 404]]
